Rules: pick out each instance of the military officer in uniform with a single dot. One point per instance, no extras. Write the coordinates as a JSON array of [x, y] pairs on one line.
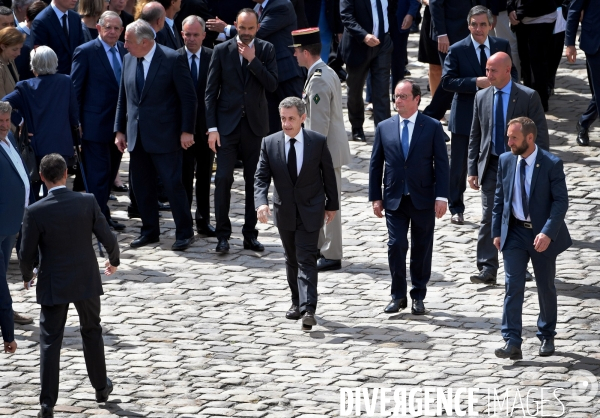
[[322, 96]]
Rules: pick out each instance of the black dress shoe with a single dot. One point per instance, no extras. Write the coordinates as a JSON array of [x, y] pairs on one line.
[[395, 305], [46, 411], [164, 206], [547, 347], [528, 276], [205, 228], [583, 137], [509, 351], [182, 244], [115, 225], [324, 264], [309, 319], [253, 244], [102, 395], [418, 307], [222, 246], [121, 188], [484, 277], [142, 240], [358, 135], [457, 219], [112, 197], [293, 313]]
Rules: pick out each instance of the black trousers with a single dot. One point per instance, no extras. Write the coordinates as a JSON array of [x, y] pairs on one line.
[[144, 167], [487, 254], [97, 163], [593, 71], [378, 62], [243, 139], [459, 155], [441, 101], [301, 248], [198, 159], [422, 224], [399, 55], [52, 327], [288, 88], [115, 162]]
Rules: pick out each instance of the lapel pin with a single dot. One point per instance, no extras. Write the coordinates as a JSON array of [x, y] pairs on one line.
[[537, 165]]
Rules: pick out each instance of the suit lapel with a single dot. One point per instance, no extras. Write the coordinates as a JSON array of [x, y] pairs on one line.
[[416, 133], [257, 52], [130, 66], [156, 60], [3, 152], [104, 59], [472, 55], [512, 102], [511, 167], [121, 49], [74, 24], [235, 58], [536, 169], [281, 155], [57, 25], [489, 99], [308, 148]]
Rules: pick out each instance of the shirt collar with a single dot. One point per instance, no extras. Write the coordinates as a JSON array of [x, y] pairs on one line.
[[506, 89], [237, 38], [169, 22], [149, 55], [56, 188], [58, 12], [486, 43], [106, 46], [264, 4], [531, 159], [24, 28], [314, 65], [6, 141], [412, 118], [299, 137], [190, 53]]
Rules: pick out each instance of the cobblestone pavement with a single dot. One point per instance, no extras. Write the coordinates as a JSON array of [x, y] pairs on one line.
[[197, 334]]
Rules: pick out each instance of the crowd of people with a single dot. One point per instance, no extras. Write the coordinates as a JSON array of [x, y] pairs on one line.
[[257, 84]]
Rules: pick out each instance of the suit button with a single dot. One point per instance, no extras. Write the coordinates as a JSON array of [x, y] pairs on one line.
[[405, 167], [245, 93], [242, 106]]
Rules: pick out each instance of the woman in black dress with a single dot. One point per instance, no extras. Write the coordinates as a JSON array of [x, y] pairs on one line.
[[428, 50]]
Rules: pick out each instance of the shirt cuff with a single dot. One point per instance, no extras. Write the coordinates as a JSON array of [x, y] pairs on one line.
[[227, 30], [221, 37], [443, 199], [212, 130], [439, 36]]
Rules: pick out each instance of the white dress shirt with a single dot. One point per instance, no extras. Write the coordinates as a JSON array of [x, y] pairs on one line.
[[56, 188], [109, 54], [298, 146], [24, 28], [14, 156], [477, 50], [60, 14], [376, 23], [517, 206], [189, 58], [147, 60]]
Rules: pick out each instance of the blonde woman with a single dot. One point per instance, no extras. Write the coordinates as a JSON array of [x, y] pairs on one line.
[[90, 11], [11, 42]]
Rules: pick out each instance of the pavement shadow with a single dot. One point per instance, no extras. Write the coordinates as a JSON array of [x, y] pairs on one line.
[[581, 291], [114, 408], [579, 362]]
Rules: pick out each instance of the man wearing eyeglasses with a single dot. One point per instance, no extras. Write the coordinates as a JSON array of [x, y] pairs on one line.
[[96, 75], [412, 149], [464, 74]]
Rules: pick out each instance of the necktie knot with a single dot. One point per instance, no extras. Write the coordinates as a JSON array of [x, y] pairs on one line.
[[292, 141], [482, 47], [194, 56], [405, 122], [523, 162]]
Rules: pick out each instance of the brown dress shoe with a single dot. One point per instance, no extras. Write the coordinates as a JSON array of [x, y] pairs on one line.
[[22, 319], [457, 219]]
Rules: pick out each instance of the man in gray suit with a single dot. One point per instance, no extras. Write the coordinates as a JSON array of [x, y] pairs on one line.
[[488, 141], [322, 97], [305, 194]]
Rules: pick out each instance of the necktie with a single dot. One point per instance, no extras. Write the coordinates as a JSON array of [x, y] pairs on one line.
[[12, 72], [499, 125], [244, 68], [482, 58], [115, 64], [524, 199], [260, 11], [291, 162], [65, 27], [381, 31], [139, 77], [405, 147], [194, 70]]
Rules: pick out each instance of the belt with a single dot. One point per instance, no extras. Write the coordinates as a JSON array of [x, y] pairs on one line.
[[524, 224]]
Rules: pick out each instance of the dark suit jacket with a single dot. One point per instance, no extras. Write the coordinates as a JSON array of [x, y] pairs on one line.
[[22, 61], [68, 270], [523, 101], [449, 17], [47, 30], [277, 22], [301, 21], [166, 108], [97, 90], [548, 191], [199, 8], [590, 29], [426, 168], [12, 193], [227, 9], [205, 56], [461, 69], [228, 94], [126, 18], [312, 8], [48, 104], [315, 190], [169, 39]]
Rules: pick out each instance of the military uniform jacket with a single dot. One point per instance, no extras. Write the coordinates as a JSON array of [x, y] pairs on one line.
[[323, 98]]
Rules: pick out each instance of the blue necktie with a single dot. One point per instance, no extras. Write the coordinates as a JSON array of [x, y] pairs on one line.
[[405, 149], [116, 64], [139, 76], [194, 70], [381, 31], [524, 199], [499, 133]]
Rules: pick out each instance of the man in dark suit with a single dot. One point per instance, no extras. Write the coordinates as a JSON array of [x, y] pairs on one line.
[[169, 36], [198, 157], [366, 46], [240, 72], [224, 14], [118, 7], [488, 141], [68, 273], [526, 231], [96, 74], [412, 149], [202, 9], [464, 73], [156, 116], [59, 28], [305, 193], [590, 45]]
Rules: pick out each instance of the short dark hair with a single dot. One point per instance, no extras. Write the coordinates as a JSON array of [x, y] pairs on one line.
[[313, 49], [415, 89], [5, 11], [34, 9], [527, 126], [480, 10], [246, 10], [53, 167]]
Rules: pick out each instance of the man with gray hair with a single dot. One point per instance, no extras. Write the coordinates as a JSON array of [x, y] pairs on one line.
[[96, 75], [19, 8], [155, 119], [304, 197]]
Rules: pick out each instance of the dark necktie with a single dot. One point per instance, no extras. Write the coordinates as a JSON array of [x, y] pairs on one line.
[[381, 31], [139, 76], [245, 68], [260, 11], [524, 199], [482, 58], [499, 125], [65, 27], [12, 72], [291, 162], [115, 64], [405, 148], [194, 70]]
